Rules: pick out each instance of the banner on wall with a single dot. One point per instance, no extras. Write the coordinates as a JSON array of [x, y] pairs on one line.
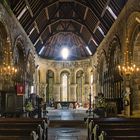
[[20, 88]]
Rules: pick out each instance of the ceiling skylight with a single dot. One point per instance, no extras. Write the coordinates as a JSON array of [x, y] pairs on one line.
[[31, 31], [89, 51], [65, 53], [41, 50], [94, 42], [102, 32], [22, 12], [111, 12]]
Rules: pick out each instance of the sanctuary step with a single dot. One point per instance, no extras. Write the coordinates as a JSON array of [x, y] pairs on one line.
[[67, 123]]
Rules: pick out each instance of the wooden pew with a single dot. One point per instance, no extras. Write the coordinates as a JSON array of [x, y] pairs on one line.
[[15, 134], [120, 134], [34, 135], [45, 130], [20, 128], [96, 125], [22, 120], [89, 123], [42, 132], [16, 138]]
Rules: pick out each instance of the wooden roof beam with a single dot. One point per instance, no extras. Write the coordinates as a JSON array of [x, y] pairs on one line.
[[85, 15], [53, 21], [31, 13], [83, 21], [47, 15]]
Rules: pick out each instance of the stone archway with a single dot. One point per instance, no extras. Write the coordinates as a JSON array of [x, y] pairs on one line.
[[135, 97], [102, 68], [20, 59], [4, 37], [134, 47]]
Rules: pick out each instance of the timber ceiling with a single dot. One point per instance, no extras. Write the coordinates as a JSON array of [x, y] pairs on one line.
[[78, 24]]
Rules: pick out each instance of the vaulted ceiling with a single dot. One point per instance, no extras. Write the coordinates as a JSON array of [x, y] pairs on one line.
[[80, 25]]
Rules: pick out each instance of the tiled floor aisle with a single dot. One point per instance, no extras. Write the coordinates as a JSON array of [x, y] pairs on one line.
[[67, 133]]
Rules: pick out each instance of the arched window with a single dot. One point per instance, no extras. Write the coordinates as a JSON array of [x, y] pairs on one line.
[[91, 83], [64, 86]]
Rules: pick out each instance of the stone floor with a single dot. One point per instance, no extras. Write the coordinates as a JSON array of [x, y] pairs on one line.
[[67, 133], [67, 124]]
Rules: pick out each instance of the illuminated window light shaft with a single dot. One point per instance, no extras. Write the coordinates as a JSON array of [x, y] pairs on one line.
[[94, 42], [90, 53], [22, 12], [41, 50], [111, 12], [36, 41], [102, 32], [31, 31], [65, 53]]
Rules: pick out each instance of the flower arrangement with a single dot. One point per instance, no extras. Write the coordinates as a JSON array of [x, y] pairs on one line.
[[29, 106], [101, 103]]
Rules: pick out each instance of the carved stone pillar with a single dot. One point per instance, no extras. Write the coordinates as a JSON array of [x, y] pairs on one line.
[[57, 76], [56, 92], [127, 99], [72, 92], [73, 78], [127, 111], [86, 93], [86, 77], [135, 98], [45, 92], [42, 90]]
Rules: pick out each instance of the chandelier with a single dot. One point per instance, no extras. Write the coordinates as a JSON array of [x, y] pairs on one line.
[[128, 68], [7, 69]]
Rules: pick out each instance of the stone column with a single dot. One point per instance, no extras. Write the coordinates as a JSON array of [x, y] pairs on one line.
[[73, 77], [127, 111], [45, 92], [127, 100], [86, 76], [86, 93], [56, 92], [42, 90], [72, 92], [136, 98]]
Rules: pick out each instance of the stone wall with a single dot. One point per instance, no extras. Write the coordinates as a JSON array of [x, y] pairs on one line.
[[125, 27], [72, 67], [16, 34]]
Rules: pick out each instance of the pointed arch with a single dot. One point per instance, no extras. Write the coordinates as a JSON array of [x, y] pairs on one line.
[[65, 81]]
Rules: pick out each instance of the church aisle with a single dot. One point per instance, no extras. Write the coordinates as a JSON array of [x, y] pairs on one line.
[[67, 124], [66, 133]]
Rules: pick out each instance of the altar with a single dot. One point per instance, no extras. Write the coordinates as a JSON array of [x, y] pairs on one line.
[[65, 104]]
